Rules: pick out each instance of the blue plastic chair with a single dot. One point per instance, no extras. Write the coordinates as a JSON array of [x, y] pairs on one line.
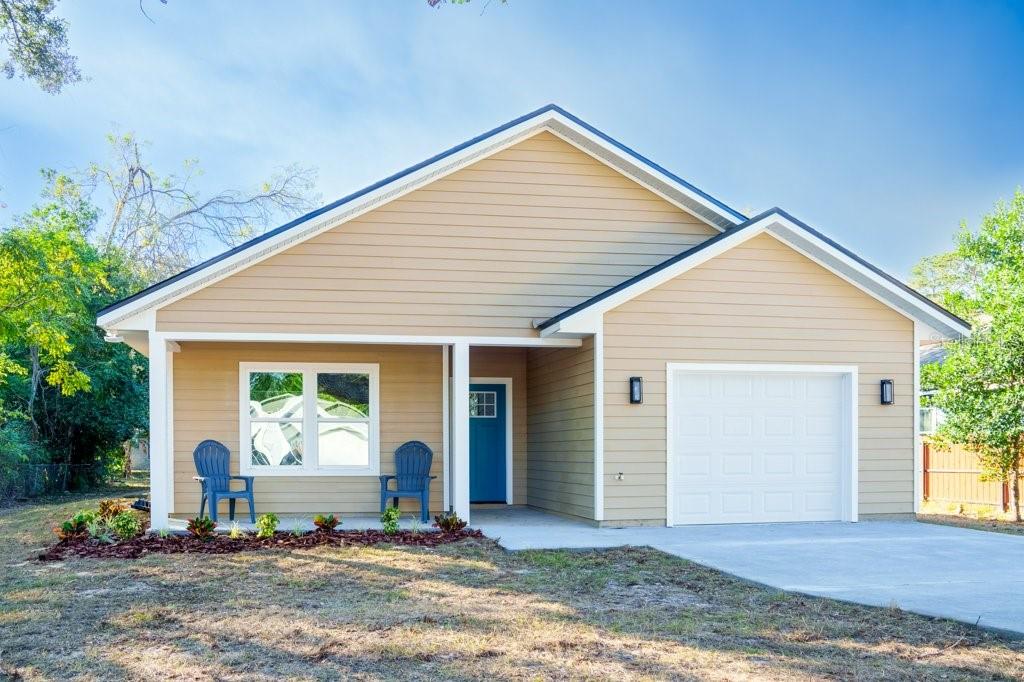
[[412, 477], [213, 462]]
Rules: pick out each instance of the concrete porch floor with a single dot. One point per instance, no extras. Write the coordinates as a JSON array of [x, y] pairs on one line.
[[972, 576]]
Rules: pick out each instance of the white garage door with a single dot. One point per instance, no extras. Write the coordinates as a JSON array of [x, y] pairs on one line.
[[755, 447]]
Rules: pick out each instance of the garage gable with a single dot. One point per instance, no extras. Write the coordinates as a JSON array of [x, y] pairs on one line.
[[760, 303]]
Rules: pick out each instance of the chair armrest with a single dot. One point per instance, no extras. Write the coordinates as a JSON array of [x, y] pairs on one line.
[[248, 481], [384, 478]]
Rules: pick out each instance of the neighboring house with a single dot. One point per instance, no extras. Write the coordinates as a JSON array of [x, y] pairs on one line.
[[565, 323]]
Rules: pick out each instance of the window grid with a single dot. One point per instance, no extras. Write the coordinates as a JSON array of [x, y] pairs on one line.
[[483, 404], [312, 423]]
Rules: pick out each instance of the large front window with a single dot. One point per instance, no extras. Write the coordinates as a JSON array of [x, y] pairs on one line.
[[309, 419]]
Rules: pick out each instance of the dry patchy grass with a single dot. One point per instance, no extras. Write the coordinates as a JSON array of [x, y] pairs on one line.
[[463, 612], [994, 525]]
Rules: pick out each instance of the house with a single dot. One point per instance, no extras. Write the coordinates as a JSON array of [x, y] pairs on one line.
[[567, 324]]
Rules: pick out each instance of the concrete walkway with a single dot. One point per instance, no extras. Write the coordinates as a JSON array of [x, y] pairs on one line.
[[967, 575]]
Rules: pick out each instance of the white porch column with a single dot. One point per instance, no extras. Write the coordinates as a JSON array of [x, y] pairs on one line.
[[159, 456], [460, 429]]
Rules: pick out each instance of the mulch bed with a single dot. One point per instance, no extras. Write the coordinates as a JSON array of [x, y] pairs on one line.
[[222, 544]]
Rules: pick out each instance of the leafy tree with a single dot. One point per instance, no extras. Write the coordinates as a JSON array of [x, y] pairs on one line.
[[37, 44], [980, 383], [47, 273], [161, 222], [67, 396], [948, 278]]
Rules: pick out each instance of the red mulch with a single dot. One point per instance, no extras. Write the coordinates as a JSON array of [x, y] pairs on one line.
[[222, 544]]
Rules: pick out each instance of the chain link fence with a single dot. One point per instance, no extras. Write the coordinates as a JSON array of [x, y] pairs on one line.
[[23, 481]]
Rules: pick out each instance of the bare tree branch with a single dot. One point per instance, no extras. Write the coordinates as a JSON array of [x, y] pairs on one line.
[[163, 224]]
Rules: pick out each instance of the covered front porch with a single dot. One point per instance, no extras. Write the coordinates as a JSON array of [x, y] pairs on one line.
[[316, 421]]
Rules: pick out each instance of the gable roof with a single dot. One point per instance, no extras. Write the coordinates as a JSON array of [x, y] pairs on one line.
[[551, 118], [789, 230]]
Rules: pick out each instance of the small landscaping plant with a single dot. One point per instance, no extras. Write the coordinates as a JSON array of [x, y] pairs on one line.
[[266, 524], [202, 528], [99, 532], [236, 532], [326, 524], [449, 522], [111, 508], [125, 525], [389, 519], [77, 526]]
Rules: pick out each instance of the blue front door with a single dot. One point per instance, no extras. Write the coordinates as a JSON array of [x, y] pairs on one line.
[[487, 424]]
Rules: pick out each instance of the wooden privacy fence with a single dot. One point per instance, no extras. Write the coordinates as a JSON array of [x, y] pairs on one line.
[[953, 475]]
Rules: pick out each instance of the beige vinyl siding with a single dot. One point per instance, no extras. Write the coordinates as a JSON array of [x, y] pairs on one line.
[[760, 302], [504, 363], [518, 236], [560, 429], [206, 406]]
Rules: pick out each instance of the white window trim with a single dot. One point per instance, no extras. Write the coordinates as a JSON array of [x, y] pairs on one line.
[[850, 422], [310, 465]]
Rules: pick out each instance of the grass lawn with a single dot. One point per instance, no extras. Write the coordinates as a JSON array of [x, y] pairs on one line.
[[463, 611], [974, 517]]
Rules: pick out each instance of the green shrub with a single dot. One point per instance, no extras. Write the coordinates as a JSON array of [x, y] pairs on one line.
[[111, 508], [389, 518], [327, 523], [77, 525], [266, 524], [449, 522], [125, 525], [202, 527]]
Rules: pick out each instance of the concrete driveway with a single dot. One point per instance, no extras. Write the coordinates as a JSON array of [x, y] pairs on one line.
[[967, 575]]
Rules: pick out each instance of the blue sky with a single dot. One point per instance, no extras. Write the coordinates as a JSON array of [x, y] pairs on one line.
[[883, 124]]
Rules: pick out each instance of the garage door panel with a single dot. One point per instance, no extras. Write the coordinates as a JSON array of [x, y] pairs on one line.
[[757, 447]]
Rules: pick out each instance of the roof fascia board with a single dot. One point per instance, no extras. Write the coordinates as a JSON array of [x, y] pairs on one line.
[[647, 176], [801, 239], [552, 118]]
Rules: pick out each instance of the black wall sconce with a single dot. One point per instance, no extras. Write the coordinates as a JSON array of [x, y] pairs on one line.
[[888, 392], [636, 390]]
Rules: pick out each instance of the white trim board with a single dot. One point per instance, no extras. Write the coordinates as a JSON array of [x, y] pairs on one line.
[[850, 425], [551, 119], [509, 461], [588, 318], [396, 339], [446, 421], [599, 426]]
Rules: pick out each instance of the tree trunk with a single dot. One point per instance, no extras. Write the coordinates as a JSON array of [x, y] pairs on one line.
[[33, 389], [1015, 488]]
